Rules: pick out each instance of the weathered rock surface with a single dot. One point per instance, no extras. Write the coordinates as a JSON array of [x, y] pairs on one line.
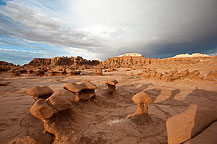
[[184, 126], [111, 85], [173, 75], [62, 100], [40, 109], [98, 72], [139, 61], [5, 66], [82, 91], [62, 61], [40, 92]]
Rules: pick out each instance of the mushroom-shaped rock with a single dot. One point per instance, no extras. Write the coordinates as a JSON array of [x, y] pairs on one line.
[[98, 72], [82, 91], [40, 92], [61, 100], [111, 85], [142, 100], [39, 72], [40, 109]]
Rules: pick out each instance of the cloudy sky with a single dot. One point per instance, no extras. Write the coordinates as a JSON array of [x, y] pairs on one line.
[[99, 29]]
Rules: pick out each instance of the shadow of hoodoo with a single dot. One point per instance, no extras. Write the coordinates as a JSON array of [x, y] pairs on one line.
[[201, 113]]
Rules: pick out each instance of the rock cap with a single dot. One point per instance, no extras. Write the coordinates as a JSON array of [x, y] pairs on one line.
[[142, 97]]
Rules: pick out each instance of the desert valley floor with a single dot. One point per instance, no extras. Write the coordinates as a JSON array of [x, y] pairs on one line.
[[104, 120]]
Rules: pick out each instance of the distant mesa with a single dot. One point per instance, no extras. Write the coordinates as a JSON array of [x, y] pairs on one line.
[[131, 54], [191, 55]]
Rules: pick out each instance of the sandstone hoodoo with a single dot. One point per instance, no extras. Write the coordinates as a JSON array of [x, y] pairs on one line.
[[39, 72], [41, 110], [98, 72], [38, 92], [83, 91], [71, 72], [61, 100], [57, 71], [111, 85], [142, 100]]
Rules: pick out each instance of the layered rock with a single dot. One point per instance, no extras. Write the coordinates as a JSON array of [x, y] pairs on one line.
[[82, 91], [172, 75], [111, 85], [62, 61], [129, 61], [5, 66]]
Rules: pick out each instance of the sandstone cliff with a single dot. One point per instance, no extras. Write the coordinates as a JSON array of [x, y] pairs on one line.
[[5, 66], [132, 61], [62, 61]]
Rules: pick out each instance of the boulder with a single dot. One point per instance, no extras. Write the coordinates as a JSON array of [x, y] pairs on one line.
[[182, 127], [82, 91], [40, 109], [61, 100], [111, 85], [98, 72], [40, 92]]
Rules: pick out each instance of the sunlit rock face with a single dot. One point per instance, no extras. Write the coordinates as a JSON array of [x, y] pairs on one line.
[[191, 55], [131, 54], [131, 60]]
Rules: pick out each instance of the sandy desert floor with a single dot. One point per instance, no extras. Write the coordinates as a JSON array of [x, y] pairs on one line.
[[104, 120]]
